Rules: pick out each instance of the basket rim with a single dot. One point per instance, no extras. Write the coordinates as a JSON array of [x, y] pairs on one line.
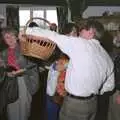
[[31, 20]]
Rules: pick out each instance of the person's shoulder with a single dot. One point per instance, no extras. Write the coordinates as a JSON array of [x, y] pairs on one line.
[[81, 40], [95, 41]]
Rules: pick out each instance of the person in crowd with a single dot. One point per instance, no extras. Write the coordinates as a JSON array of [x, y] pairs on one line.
[[71, 29], [2, 19], [105, 39], [55, 95], [116, 39], [53, 27], [114, 104], [28, 82], [3, 101], [90, 70], [103, 100], [57, 69]]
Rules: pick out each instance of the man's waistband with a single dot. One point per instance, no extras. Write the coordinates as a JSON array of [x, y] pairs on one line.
[[81, 97]]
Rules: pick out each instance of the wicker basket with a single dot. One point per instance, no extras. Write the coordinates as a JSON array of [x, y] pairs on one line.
[[35, 46]]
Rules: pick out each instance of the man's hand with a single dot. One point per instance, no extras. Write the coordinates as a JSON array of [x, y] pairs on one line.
[[16, 73]]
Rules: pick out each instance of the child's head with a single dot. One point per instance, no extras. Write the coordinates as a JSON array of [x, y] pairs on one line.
[[62, 62]]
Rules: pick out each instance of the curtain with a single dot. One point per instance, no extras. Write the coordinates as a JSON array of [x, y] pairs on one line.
[[62, 14], [12, 13], [77, 8]]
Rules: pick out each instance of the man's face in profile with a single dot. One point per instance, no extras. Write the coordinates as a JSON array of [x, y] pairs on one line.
[[87, 34]]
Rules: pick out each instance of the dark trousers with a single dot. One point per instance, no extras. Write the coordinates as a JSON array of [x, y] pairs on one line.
[[52, 109], [103, 105], [3, 116]]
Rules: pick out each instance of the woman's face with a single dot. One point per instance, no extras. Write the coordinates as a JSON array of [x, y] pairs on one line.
[[10, 39]]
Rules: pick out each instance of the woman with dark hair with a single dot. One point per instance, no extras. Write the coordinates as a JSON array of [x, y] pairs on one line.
[[27, 82], [114, 104]]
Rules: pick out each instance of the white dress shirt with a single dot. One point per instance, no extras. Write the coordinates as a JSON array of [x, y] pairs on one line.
[[89, 68]]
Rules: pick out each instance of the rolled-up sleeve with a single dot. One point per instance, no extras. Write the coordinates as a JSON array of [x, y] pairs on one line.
[[64, 42], [109, 83]]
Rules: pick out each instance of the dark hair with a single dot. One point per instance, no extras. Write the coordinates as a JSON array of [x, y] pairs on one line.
[[107, 41], [33, 24], [9, 30], [3, 31], [119, 28], [3, 45], [64, 56], [68, 27], [91, 23], [53, 27]]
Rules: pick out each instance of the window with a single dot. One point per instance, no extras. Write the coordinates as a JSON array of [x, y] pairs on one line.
[[25, 13], [51, 15], [24, 16], [38, 13]]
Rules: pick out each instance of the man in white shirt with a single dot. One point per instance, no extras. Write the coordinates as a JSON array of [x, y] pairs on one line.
[[53, 107], [90, 71]]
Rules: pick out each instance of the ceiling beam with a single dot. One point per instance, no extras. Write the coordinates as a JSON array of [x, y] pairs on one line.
[[103, 2], [36, 2]]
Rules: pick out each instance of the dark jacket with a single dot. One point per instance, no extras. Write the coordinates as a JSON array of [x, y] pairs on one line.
[[31, 77], [8, 91], [117, 71]]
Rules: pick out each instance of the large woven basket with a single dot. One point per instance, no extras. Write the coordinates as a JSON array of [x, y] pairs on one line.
[[35, 46]]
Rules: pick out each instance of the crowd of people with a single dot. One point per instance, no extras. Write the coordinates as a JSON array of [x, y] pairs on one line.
[[84, 70]]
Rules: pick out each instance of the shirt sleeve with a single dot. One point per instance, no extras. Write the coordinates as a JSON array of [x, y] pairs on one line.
[[64, 42], [109, 84]]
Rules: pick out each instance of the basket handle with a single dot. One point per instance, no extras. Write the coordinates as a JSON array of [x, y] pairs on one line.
[[29, 21]]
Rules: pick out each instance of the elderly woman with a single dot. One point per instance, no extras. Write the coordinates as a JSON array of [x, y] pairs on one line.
[[27, 82]]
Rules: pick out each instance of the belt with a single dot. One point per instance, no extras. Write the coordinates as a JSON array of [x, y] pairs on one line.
[[81, 97]]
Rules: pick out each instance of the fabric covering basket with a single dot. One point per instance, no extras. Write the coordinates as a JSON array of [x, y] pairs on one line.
[[35, 46]]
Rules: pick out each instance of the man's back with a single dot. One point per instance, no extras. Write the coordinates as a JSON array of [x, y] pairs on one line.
[[88, 69]]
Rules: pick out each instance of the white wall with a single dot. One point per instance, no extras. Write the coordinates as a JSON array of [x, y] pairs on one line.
[[99, 10]]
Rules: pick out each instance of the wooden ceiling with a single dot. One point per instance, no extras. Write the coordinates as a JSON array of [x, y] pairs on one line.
[[63, 2]]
